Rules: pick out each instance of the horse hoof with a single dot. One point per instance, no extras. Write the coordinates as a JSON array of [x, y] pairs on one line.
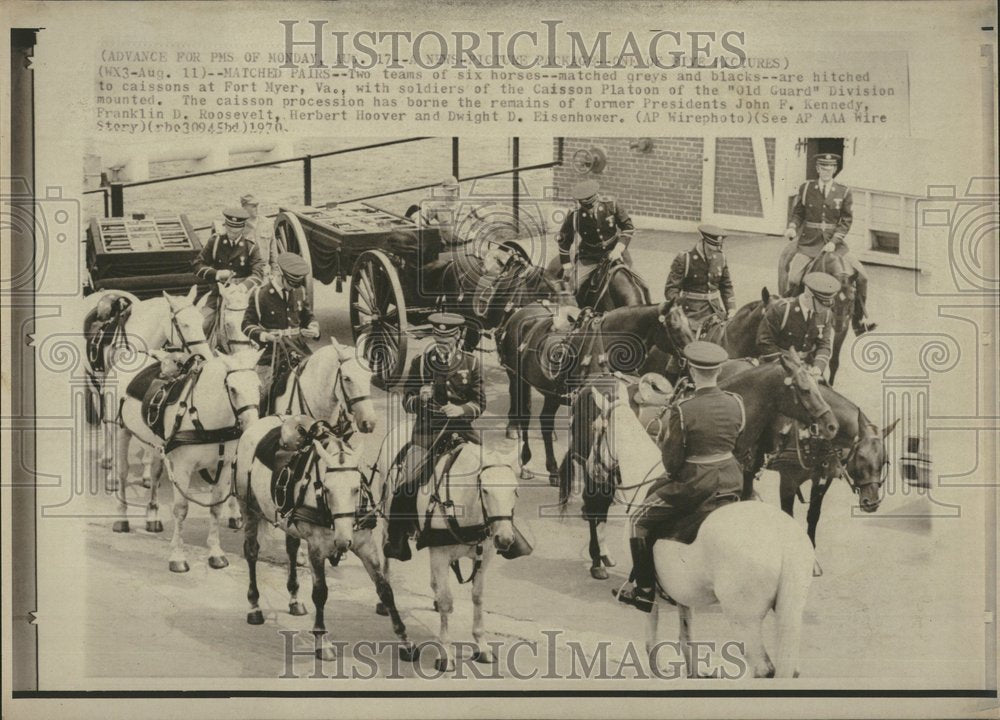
[[444, 665], [599, 573], [511, 433], [179, 566], [381, 609], [607, 561], [526, 474], [106, 463], [120, 526], [154, 526], [326, 653], [409, 652], [554, 479], [483, 657], [235, 523], [297, 608], [436, 609], [817, 570], [255, 617], [217, 562]]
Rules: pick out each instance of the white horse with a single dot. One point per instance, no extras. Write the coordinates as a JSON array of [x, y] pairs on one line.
[[749, 557], [459, 511], [224, 328], [149, 326], [202, 426]]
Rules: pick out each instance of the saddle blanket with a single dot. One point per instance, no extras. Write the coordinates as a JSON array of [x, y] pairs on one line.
[[686, 529], [155, 392]]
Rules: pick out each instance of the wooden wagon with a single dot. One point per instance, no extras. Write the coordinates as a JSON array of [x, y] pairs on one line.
[[382, 252]]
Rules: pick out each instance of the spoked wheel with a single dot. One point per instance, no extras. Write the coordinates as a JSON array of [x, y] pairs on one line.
[[378, 317], [290, 237]]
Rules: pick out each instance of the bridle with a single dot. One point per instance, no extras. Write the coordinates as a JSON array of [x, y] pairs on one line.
[[797, 394], [321, 515], [596, 460], [846, 461], [175, 327], [237, 411], [672, 333]]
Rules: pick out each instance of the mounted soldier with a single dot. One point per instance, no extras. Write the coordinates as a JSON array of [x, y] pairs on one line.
[[821, 218], [699, 278], [261, 231], [700, 467], [444, 389], [230, 255], [275, 308], [804, 322], [600, 223]]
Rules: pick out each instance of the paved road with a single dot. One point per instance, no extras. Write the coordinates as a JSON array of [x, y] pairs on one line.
[[885, 611]]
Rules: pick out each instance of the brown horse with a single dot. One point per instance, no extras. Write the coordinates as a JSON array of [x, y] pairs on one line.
[[738, 334], [556, 364], [843, 305], [857, 454], [770, 390]]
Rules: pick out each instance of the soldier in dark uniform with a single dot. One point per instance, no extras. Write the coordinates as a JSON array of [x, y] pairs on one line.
[[230, 255], [281, 304], [821, 218], [444, 388], [698, 458], [699, 279], [804, 323], [598, 222]]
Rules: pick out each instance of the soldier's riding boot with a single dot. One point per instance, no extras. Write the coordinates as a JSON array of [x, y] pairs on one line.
[[401, 512], [643, 594], [860, 317]]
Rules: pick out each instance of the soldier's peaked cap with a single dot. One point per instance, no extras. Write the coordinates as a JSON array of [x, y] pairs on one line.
[[821, 284], [236, 217], [586, 190], [712, 234], [705, 355], [446, 323], [293, 265], [828, 159]]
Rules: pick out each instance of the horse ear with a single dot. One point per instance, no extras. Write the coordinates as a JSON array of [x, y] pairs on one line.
[[892, 426], [171, 301], [192, 293], [765, 295]]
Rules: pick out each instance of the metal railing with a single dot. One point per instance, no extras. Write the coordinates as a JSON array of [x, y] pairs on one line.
[[114, 193]]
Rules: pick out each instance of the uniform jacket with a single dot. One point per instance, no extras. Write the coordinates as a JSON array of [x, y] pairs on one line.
[[261, 231], [785, 326], [706, 424], [691, 272], [597, 227], [243, 258], [820, 220], [458, 382], [273, 309]]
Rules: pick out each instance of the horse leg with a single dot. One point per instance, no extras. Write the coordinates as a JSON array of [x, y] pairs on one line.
[[235, 516], [548, 422], [819, 488], [684, 638], [838, 343], [788, 487], [597, 570], [652, 636], [324, 651], [216, 556], [251, 549], [368, 553], [441, 586], [519, 418], [292, 550], [122, 468], [483, 653], [153, 466], [106, 451], [182, 479]]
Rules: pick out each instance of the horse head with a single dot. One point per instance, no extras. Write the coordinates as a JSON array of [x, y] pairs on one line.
[[337, 488], [234, 300], [498, 494], [673, 329], [184, 325], [242, 385], [867, 462], [353, 388], [806, 393]]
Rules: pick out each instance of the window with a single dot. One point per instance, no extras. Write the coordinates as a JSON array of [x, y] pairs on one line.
[[886, 242]]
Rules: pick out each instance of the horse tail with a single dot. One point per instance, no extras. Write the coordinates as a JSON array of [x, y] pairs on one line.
[[797, 562]]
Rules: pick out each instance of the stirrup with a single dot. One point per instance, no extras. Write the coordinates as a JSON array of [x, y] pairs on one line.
[[636, 598]]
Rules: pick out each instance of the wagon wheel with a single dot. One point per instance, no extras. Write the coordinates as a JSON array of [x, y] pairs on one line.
[[290, 237], [378, 316]]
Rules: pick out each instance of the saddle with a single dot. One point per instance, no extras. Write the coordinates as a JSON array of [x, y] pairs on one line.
[[101, 337], [686, 529], [597, 284], [156, 392]]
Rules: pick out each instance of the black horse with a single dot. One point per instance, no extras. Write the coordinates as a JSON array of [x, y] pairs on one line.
[[537, 355]]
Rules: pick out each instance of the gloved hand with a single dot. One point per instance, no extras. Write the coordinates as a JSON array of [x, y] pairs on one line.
[[451, 410], [266, 337], [616, 252], [815, 371], [790, 233], [426, 393], [829, 247], [223, 275], [567, 275], [311, 330]]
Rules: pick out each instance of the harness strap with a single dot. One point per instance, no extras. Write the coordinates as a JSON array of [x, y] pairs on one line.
[[476, 565]]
